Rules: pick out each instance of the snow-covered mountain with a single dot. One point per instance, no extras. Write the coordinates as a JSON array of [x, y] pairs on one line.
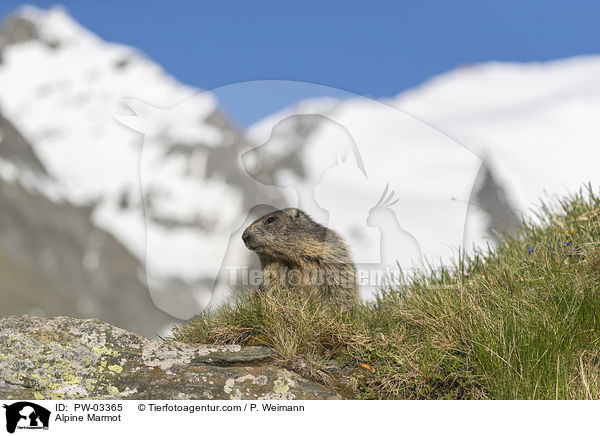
[[534, 125], [437, 167], [62, 87]]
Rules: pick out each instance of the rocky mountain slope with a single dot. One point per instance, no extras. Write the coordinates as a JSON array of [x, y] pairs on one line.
[[170, 196], [53, 259]]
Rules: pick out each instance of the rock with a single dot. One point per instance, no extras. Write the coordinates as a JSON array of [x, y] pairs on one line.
[[68, 358]]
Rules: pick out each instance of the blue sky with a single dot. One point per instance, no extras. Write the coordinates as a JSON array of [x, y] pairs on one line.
[[372, 48]]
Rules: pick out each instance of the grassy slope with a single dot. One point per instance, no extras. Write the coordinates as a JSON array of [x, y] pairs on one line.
[[520, 322]]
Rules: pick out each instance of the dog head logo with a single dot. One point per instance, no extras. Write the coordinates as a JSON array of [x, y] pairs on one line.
[[26, 415]]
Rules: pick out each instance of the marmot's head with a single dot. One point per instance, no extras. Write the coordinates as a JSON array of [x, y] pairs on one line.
[[284, 234]]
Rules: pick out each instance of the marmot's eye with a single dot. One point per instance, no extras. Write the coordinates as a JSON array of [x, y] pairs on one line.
[[270, 219]]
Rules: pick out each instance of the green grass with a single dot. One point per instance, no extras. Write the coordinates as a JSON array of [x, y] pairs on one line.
[[521, 321]]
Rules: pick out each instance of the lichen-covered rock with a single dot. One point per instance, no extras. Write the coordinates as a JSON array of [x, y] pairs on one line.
[[67, 358]]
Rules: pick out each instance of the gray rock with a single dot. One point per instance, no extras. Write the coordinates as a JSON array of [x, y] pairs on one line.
[[16, 29], [68, 358]]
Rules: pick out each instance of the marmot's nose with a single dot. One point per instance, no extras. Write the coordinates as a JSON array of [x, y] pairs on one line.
[[246, 236], [248, 239]]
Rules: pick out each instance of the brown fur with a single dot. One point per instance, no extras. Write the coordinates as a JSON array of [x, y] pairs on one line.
[[300, 254]]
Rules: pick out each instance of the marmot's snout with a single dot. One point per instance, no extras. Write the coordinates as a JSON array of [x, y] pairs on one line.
[[249, 239]]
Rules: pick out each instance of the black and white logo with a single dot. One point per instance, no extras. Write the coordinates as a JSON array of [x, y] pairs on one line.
[[26, 415]]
